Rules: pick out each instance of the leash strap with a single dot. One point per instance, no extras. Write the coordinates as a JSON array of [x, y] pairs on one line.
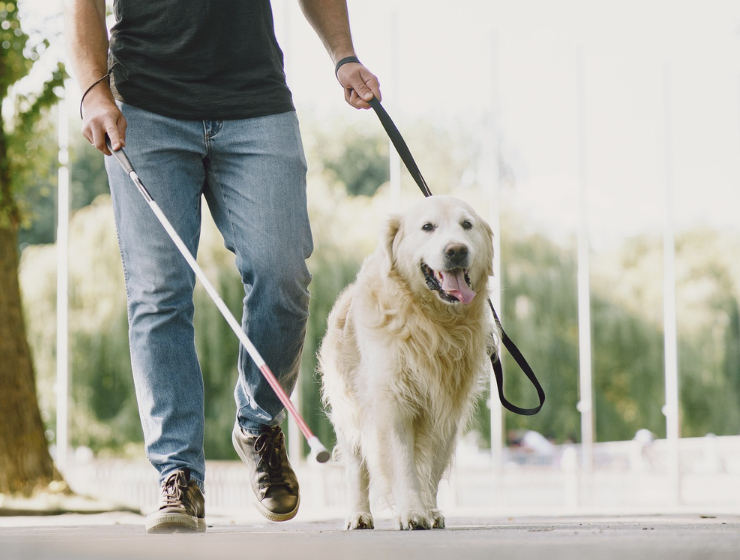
[[400, 144], [523, 365], [408, 160]]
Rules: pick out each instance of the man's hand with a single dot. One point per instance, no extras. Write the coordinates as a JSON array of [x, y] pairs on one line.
[[360, 85], [330, 21], [100, 115], [87, 39]]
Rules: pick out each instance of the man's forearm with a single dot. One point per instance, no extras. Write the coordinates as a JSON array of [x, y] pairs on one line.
[[87, 39], [330, 21]]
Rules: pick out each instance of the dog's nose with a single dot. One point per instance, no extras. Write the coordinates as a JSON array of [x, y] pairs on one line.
[[456, 255]]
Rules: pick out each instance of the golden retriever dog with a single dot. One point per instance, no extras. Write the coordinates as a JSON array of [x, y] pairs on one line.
[[406, 346]]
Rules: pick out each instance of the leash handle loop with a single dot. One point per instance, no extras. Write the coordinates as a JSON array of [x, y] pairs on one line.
[[523, 365], [408, 160]]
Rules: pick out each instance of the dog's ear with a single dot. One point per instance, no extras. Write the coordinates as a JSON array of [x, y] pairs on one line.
[[488, 232], [392, 227]]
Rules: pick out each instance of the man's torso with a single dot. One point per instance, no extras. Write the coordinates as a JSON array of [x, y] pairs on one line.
[[198, 59]]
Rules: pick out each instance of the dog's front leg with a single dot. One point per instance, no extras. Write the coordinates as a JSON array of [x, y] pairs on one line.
[[357, 483], [405, 484]]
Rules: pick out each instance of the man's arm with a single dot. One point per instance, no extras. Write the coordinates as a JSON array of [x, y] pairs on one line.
[[87, 42], [330, 21]]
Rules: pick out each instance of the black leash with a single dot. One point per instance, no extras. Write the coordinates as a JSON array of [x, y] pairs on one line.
[[408, 160]]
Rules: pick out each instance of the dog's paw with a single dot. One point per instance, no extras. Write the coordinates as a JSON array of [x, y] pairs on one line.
[[413, 520], [438, 520], [360, 520]]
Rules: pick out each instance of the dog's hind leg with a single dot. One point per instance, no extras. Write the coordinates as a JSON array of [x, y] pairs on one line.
[[357, 482], [438, 520]]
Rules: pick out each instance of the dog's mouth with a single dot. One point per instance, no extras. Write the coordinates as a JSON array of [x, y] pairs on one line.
[[452, 286]]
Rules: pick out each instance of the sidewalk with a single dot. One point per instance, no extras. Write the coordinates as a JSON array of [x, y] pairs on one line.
[[523, 511], [120, 536]]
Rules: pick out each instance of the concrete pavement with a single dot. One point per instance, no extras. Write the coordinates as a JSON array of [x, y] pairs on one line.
[[119, 536]]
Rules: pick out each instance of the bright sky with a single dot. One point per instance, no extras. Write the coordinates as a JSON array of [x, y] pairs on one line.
[[635, 54], [453, 62]]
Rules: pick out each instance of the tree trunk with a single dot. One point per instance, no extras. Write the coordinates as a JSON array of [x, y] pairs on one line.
[[25, 463]]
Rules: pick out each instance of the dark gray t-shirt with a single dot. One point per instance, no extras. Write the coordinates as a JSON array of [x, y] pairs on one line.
[[198, 59]]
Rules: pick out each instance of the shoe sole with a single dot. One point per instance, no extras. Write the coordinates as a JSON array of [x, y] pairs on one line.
[[163, 523], [271, 515]]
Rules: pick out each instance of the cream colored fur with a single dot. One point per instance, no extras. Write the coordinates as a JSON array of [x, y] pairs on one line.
[[400, 367]]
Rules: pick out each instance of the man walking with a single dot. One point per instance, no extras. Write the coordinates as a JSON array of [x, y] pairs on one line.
[[196, 91]]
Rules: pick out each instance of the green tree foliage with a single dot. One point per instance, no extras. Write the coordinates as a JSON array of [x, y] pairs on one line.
[[628, 372], [26, 148], [731, 362], [540, 316], [359, 162], [39, 197], [25, 463], [103, 411]]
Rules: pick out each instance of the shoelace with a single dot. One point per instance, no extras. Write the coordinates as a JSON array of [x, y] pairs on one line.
[[173, 488], [268, 446]]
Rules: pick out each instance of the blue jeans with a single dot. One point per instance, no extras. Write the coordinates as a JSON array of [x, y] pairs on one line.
[[252, 173]]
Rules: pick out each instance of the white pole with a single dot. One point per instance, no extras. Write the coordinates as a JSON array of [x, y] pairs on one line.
[[491, 179], [670, 342], [585, 404], [394, 160], [62, 382]]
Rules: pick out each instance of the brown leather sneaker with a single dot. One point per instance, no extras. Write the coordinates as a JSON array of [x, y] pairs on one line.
[[181, 506], [273, 481]]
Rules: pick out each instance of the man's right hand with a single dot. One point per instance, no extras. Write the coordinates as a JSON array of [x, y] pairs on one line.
[[101, 116]]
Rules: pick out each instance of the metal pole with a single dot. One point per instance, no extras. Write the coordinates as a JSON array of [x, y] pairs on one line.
[[394, 161], [670, 338], [62, 381], [491, 178], [585, 404]]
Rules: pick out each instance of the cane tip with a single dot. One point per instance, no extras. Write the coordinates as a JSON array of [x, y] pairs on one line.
[[322, 456], [318, 451]]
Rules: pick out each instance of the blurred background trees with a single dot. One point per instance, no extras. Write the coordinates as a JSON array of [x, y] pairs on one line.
[[451, 130], [347, 208], [25, 463]]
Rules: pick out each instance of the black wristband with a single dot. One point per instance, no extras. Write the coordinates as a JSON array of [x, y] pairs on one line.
[[345, 60]]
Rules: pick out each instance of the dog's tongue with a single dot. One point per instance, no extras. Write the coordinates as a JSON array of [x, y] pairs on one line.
[[453, 282]]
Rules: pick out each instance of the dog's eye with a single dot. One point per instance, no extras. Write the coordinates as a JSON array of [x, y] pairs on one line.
[[466, 224], [429, 226]]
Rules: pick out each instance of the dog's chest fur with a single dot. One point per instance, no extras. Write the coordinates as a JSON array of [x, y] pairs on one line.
[[437, 348]]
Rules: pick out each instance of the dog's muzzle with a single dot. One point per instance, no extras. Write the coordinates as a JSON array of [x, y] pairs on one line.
[[452, 286]]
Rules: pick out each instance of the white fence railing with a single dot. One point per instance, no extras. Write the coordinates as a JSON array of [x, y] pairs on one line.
[[626, 475]]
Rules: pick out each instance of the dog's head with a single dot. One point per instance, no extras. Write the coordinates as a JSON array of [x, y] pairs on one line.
[[441, 245]]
